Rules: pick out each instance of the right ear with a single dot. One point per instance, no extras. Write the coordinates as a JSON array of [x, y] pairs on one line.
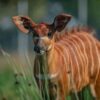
[[24, 23], [60, 22]]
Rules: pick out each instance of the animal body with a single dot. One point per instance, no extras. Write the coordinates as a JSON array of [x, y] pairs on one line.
[[73, 57]]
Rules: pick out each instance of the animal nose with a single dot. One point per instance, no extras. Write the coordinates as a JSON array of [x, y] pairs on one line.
[[37, 49]]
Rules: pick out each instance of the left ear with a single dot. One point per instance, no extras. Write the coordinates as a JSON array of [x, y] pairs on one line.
[[24, 23], [61, 21]]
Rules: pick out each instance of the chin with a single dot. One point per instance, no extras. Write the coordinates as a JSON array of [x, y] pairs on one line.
[[41, 52]]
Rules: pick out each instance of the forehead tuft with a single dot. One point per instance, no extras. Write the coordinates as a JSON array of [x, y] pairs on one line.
[[41, 29], [42, 24]]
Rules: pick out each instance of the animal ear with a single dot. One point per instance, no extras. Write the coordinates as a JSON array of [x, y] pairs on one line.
[[60, 21], [24, 23]]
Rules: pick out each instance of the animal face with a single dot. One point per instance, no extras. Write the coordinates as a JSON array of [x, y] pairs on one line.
[[41, 39], [42, 33]]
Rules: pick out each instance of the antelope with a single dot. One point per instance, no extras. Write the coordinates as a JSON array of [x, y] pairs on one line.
[[73, 57]]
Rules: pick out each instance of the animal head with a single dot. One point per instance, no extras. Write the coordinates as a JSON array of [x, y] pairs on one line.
[[42, 33]]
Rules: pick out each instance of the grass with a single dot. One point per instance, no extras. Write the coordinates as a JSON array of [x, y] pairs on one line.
[[17, 82], [15, 86]]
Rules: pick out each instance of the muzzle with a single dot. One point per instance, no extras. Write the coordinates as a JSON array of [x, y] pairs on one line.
[[39, 50]]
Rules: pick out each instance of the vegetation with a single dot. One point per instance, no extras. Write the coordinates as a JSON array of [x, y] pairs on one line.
[[16, 80], [18, 83]]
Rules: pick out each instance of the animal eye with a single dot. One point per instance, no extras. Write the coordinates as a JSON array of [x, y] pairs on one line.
[[35, 35]]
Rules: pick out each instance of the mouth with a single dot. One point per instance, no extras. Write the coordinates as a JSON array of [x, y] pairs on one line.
[[38, 50], [41, 52]]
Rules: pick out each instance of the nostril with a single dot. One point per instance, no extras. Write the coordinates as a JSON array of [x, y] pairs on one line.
[[37, 49]]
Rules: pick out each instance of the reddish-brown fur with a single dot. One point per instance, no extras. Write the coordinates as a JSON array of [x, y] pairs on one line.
[[82, 74], [73, 57]]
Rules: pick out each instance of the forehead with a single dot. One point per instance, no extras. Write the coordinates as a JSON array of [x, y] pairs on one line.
[[41, 29]]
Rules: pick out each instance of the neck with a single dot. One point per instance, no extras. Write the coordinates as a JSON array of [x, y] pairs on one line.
[[50, 51], [47, 64], [52, 58]]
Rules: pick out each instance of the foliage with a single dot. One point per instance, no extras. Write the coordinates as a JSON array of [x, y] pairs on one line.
[[18, 83]]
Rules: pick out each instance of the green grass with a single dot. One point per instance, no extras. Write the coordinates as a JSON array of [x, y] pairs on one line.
[[17, 83], [19, 87]]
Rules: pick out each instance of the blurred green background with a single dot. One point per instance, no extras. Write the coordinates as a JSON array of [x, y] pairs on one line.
[[84, 12], [16, 52]]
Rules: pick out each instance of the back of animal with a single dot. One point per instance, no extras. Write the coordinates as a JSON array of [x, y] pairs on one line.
[[81, 59]]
